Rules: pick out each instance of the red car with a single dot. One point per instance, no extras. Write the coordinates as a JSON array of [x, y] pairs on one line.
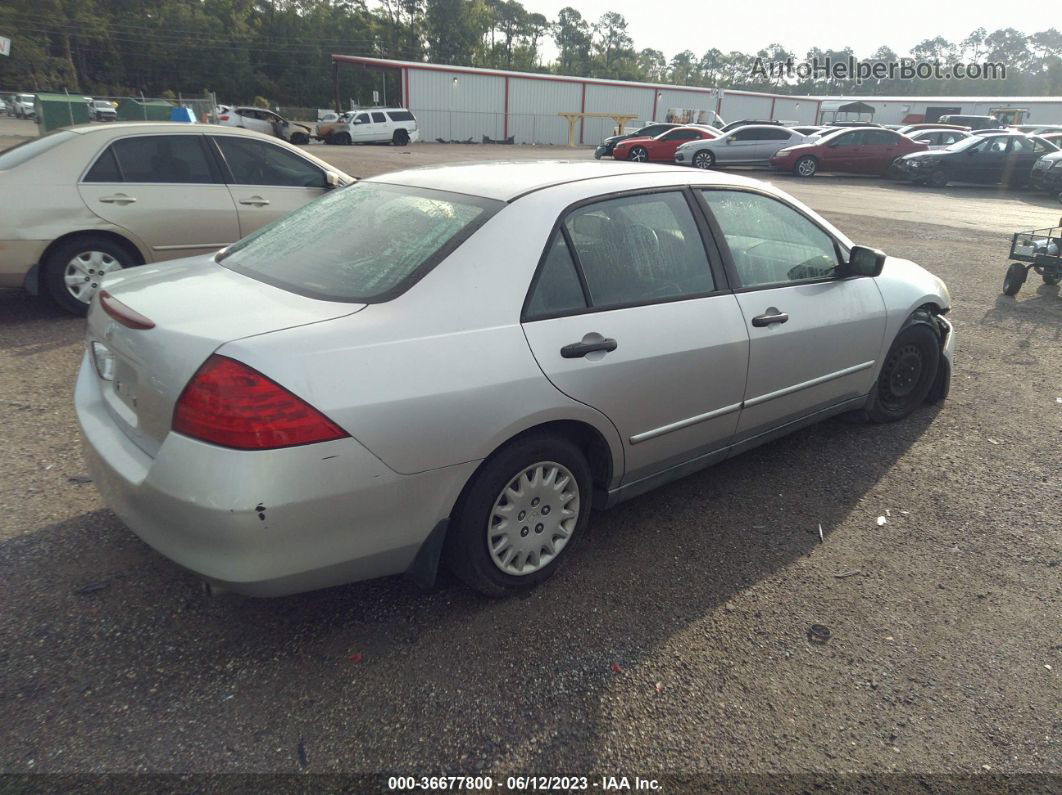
[[867, 150], [662, 147]]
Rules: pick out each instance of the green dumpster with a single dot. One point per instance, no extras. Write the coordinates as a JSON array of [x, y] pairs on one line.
[[149, 110], [60, 110]]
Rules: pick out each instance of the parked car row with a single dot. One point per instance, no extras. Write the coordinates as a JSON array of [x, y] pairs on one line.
[[926, 153]]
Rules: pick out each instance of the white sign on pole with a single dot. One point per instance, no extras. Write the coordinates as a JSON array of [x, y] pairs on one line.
[[5, 46], [376, 97]]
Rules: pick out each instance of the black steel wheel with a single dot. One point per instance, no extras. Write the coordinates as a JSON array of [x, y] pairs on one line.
[[907, 374], [1015, 278]]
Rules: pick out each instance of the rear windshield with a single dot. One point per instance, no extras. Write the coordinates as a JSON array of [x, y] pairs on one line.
[[368, 242], [19, 154]]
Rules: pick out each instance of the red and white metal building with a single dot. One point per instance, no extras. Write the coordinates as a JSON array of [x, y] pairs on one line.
[[458, 103]]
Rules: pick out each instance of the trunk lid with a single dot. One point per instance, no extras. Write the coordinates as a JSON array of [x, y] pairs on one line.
[[197, 306]]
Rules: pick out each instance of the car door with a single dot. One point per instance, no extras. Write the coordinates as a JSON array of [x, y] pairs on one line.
[[663, 148], [361, 128], [166, 190], [1021, 155], [738, 146], [883, 146], [627, 315], [990, 161], [380, 127], [814, 338], [773, 140], [864, 153], [265, 180], [840, 153]]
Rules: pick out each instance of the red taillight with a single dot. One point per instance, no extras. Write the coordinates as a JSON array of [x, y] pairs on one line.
[[223, 117], [123, 314], [229, 404]]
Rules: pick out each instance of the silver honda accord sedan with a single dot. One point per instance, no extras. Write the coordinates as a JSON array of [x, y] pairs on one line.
[[453, 366]]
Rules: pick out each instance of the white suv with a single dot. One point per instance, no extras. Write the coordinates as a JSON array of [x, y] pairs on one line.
[[377, 125]]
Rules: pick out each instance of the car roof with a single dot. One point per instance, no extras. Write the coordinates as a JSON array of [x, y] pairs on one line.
[[508, 180], [116, 127], [772, 127]]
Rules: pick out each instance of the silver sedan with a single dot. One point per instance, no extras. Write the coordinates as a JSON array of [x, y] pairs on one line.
[[751, 145], [454, 365]]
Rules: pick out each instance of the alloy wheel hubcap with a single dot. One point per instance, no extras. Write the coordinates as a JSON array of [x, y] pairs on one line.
[[533, 518], [807, 168], [702, 161], [85, 271], [905, 371], [639, 155]]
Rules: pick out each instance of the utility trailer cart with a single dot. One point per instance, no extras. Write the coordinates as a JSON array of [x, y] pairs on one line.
[[1039, 250]]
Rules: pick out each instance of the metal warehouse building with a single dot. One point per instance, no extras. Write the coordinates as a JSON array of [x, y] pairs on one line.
[[459, 103]]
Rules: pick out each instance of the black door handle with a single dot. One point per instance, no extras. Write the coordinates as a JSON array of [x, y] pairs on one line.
[[769, 317], [579, 349]]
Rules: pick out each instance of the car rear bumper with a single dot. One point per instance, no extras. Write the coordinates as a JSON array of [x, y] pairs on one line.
[[414, 136], [264, 523]]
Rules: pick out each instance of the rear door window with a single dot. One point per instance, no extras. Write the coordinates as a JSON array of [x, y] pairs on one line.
[[639, 249], [368, 242], [163, 159], [557, 289], [105, 169], [378, 118]]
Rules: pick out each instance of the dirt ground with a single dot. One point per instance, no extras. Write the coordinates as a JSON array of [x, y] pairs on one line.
[[677, 637]]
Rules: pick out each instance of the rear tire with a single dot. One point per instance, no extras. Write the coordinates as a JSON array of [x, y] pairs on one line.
[[806, 166], [1014, 279], [1052, 279], [493, 519], [907, 375], [400, 138], [73, 270]]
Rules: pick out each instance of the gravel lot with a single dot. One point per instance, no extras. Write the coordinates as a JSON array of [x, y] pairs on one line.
[[674, 640]]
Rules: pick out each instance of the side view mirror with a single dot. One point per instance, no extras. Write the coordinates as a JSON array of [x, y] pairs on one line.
[[332, 180], [863, 261]]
